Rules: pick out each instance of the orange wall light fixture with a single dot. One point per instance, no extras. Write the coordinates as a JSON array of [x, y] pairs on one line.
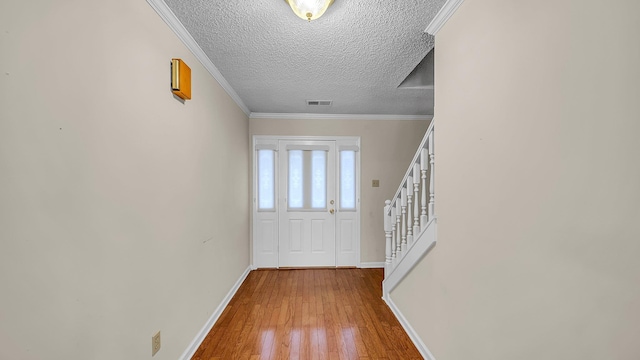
[[180, 79]]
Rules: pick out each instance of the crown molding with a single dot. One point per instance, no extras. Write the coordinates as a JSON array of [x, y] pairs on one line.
[[442, 16], [305, 116], [174, 24]]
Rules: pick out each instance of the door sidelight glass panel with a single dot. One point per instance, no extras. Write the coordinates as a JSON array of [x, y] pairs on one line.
[[348, 180], [266, 180]]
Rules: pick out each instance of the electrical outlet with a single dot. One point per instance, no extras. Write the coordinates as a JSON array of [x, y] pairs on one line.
[[155, 343], [375, 183]]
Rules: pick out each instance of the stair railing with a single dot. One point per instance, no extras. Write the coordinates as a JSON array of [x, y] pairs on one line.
[[412, 209]]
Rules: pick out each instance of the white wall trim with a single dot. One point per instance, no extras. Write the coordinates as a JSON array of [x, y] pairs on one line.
[[304, 116], [174, 24], [371, 265], [417, 341], [275, 138], [448, 9], [193, 347]]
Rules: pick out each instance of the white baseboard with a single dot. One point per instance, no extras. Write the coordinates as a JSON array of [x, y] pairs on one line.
[[195, 344], [371, 265], [417, 341]]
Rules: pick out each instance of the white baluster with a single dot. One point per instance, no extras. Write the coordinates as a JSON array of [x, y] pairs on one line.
[[394, 230], [416, 204], [423, 169], [432, 194], [403, 206], [387, 233], [399, 229], [409, 210]]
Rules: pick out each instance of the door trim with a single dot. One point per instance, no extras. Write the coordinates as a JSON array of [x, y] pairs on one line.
[[256, 261]]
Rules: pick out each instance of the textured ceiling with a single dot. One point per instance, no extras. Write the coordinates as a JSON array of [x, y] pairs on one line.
[[356, 54]]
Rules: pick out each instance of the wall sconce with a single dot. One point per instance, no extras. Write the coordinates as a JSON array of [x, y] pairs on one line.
[[180, 79]]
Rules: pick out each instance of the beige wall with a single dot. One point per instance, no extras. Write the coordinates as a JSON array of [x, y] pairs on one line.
[[537, 185], [387, 147], [122, 210]]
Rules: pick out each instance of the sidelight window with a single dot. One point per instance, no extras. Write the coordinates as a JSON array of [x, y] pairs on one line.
[[347, 180], [266, 180]]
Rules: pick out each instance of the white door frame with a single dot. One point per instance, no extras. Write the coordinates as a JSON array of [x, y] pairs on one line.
[[264, 232]]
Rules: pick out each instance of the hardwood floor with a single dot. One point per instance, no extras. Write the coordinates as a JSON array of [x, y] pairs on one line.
[[308, 314]]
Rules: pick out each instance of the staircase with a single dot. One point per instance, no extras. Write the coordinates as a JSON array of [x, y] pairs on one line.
[[409, 218]]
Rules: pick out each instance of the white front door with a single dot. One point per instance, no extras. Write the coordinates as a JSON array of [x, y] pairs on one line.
[[307, 203]]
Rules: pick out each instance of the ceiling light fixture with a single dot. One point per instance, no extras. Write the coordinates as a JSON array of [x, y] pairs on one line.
[[309, 9]]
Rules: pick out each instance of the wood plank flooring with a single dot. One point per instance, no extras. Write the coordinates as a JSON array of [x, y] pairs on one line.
[[308, 314]]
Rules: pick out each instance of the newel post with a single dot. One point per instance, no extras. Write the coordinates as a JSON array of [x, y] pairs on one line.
[[387, 232], [394, 230], [432, 178], [424, 158], [403, 206], [410, 210], [398, 207]]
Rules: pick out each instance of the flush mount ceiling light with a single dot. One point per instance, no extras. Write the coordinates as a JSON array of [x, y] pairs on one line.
[[309, 9]]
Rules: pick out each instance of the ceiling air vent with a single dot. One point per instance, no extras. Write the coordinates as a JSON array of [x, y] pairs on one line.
[[319, 102]]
